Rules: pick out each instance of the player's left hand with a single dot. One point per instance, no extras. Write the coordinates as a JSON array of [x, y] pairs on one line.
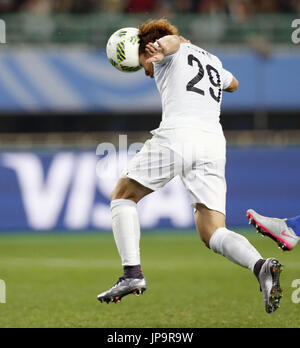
[[155, 52]]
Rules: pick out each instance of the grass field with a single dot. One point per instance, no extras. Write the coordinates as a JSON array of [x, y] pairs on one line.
[[53, 281]]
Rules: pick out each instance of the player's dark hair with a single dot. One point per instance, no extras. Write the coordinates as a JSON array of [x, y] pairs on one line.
[[153, 30]]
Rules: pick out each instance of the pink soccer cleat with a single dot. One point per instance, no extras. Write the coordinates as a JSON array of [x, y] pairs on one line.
[[274, 228]]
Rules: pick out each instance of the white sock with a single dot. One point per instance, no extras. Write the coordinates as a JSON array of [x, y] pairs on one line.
[[234, 247], [126, 230]]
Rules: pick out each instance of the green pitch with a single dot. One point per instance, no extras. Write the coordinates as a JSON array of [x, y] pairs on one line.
[[53, 281]]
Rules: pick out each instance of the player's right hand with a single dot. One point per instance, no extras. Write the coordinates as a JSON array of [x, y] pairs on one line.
[[155, 52]]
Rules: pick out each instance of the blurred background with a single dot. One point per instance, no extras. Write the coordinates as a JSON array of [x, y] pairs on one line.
[[60, 98]]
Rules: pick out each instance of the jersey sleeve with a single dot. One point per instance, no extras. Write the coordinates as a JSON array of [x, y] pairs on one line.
[[227, 78], [167, 59]]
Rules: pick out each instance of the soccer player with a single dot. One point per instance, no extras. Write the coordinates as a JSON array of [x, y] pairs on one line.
[[189, 143], [285, 232]]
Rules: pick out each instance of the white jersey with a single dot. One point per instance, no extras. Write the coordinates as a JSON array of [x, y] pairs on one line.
[[190, 83]]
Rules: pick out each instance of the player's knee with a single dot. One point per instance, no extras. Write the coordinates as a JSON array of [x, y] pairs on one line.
[[121, 194], [129, 189], [123, 191]]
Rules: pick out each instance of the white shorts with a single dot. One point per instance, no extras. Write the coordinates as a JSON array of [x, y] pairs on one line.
[[198, 157]]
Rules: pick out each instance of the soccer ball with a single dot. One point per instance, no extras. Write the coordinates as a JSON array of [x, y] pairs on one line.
[[123, 50]]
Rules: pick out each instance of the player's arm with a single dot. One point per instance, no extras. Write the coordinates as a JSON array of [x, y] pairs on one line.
[[165, 46], [230, 83], [234, 85]]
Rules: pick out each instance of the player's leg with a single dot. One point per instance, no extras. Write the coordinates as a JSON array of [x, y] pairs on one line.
[[126, 231], [129, 189], [125, 223], [285, 232], [236, 248], [149, 170], [205, 181]]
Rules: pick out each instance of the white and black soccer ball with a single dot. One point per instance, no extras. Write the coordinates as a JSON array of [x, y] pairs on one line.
[[122, 50]]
